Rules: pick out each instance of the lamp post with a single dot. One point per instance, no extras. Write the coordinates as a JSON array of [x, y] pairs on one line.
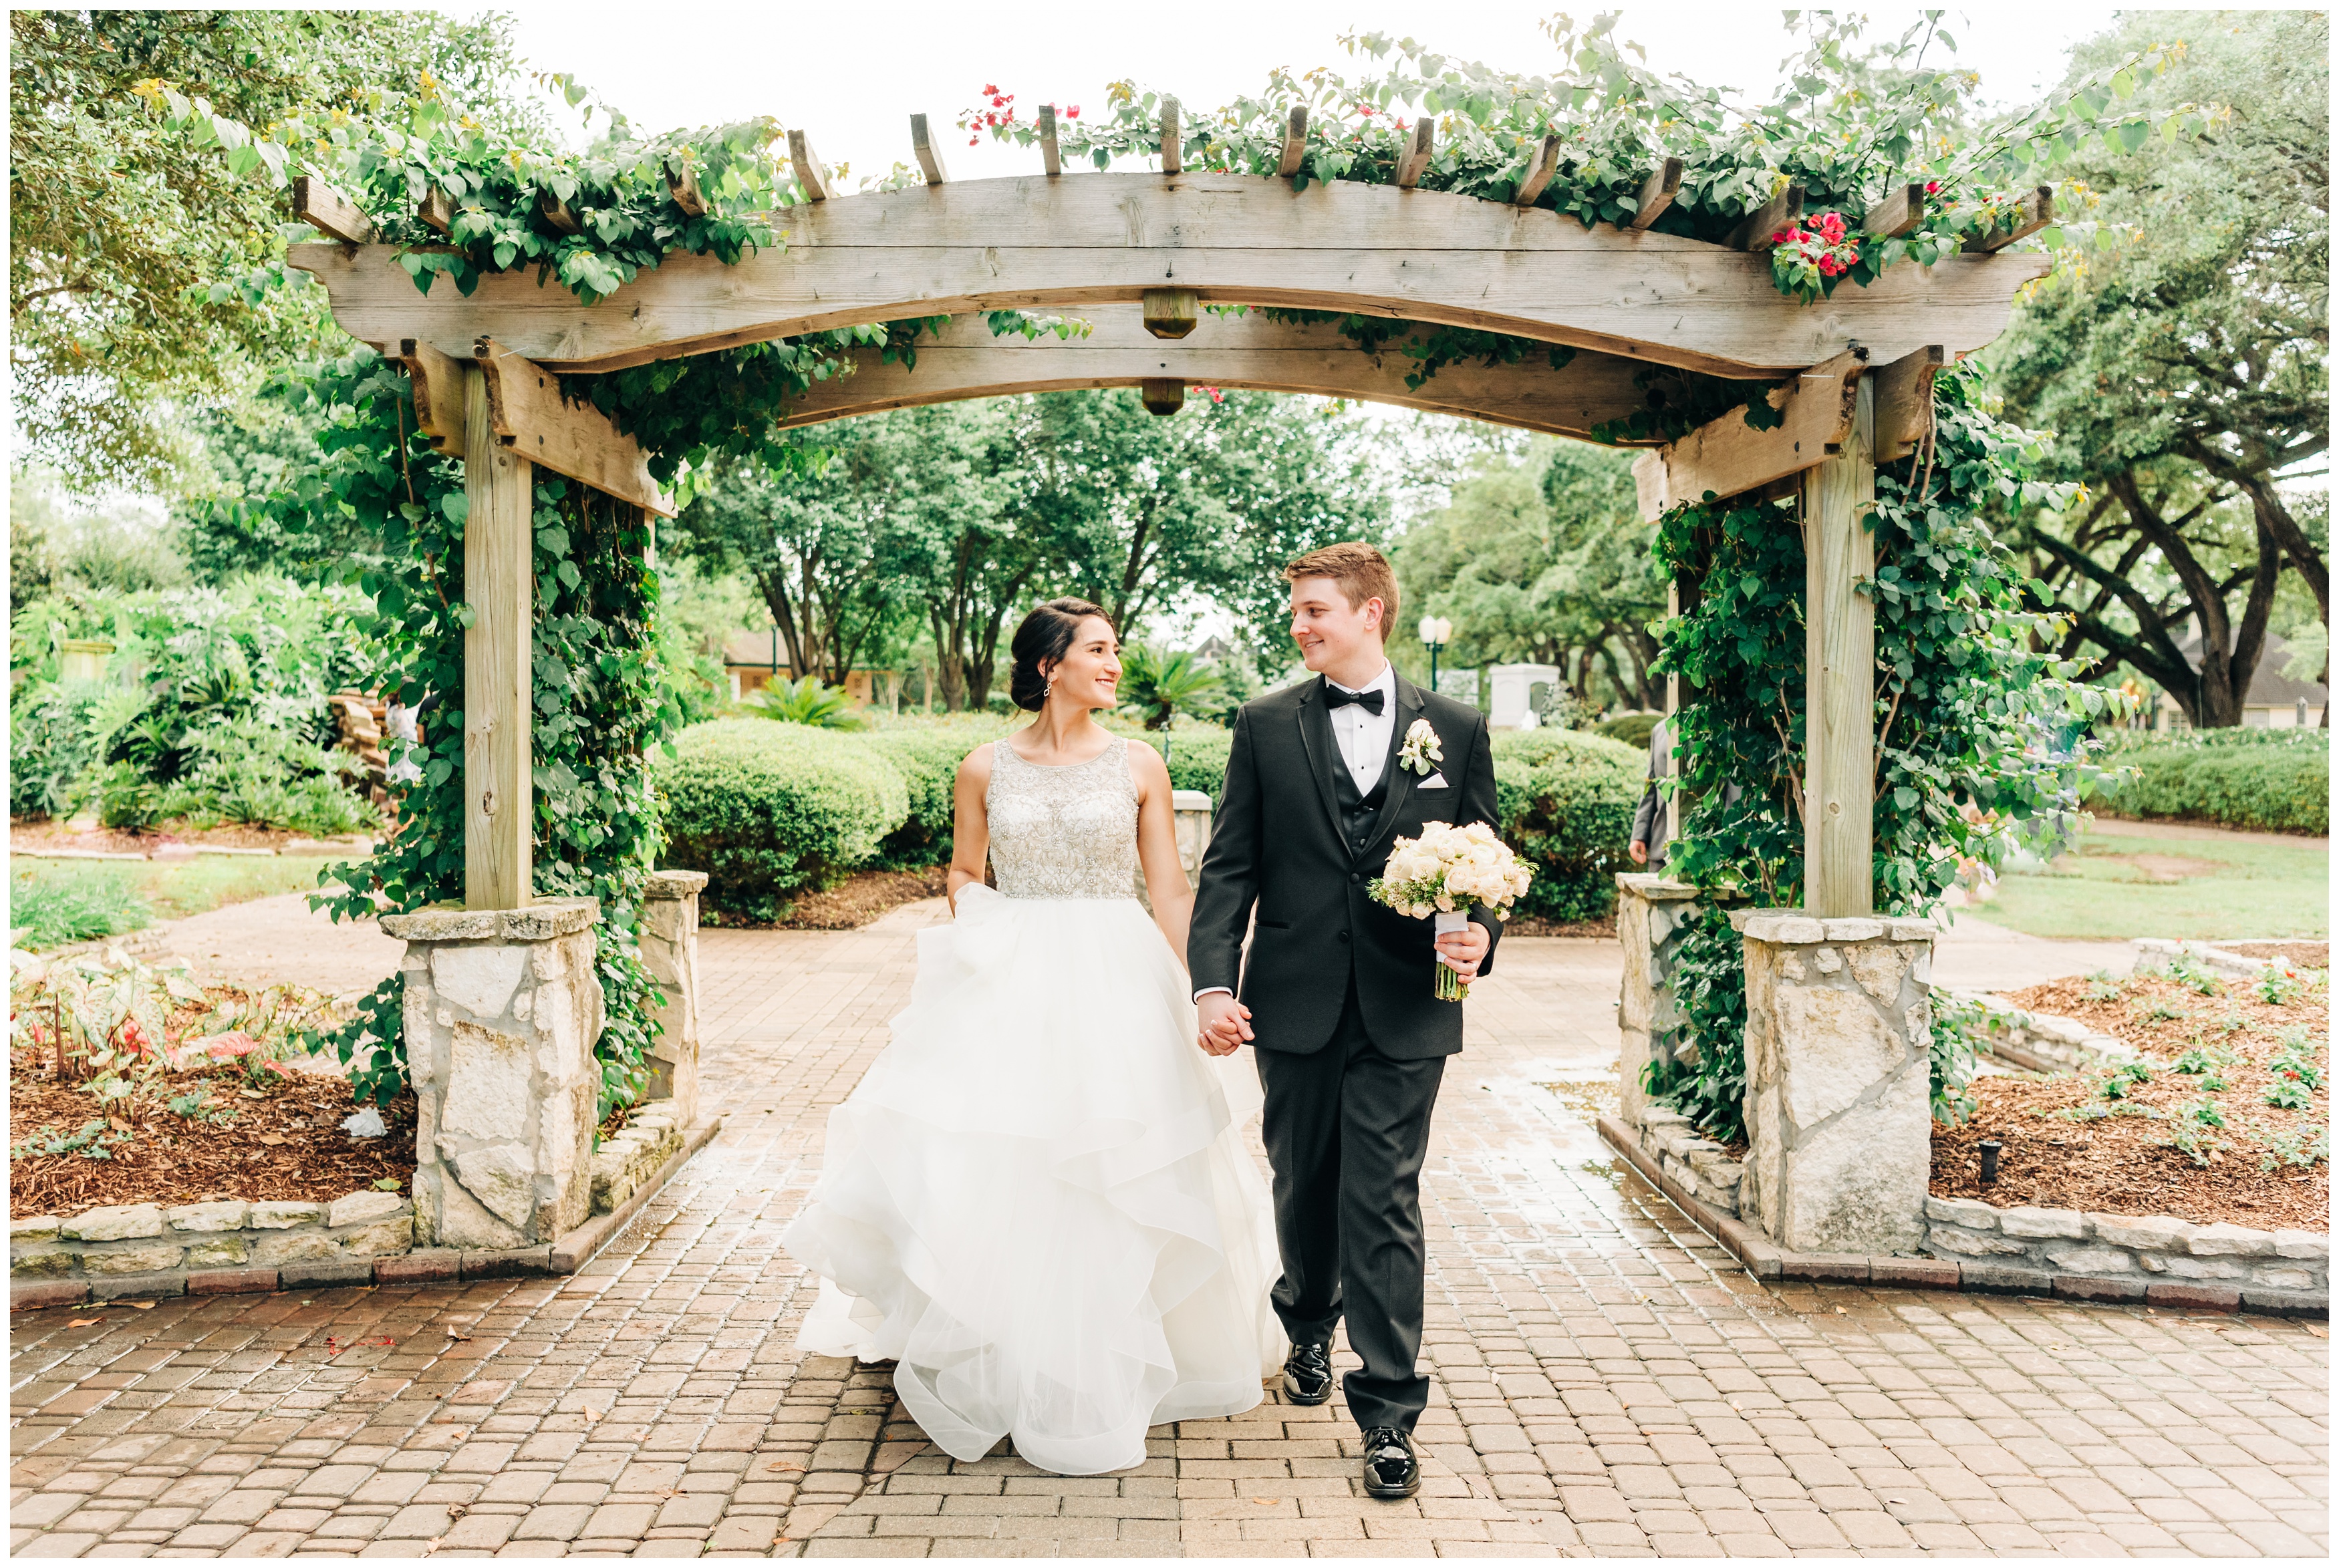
[[1435, 633]]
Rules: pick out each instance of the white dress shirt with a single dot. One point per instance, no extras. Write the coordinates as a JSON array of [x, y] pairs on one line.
[[1362, 735]]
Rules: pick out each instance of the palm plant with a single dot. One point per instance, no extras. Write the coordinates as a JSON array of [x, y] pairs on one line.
[[806, 702], [1157, 687]]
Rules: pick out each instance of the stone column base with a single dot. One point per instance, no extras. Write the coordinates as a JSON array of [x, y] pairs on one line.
[[1651, 913], [670, 953], [502, 1013], [1838, 1030]]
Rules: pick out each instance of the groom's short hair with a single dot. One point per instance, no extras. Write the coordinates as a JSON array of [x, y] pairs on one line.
[[1362, 572]]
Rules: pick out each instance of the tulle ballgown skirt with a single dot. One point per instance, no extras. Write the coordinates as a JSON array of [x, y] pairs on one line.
[[1039, 1201]]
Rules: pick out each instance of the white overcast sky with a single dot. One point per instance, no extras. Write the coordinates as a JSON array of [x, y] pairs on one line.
[[851, 74]]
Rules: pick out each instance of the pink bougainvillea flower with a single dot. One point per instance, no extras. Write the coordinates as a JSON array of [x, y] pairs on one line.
[[1073, 112], [1932, 187], [990, 91]]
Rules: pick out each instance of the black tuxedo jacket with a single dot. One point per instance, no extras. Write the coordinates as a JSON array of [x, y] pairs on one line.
[[1277, 846]]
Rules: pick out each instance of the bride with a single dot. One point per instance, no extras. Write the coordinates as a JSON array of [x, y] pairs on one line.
[[1037, 1201]]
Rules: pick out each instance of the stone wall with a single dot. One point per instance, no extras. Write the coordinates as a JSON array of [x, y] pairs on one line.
[[1702, 1167], [1838, 1022], [502, 1013], [2113, 1247], [653, 1135], [670, 953], [1652, 914], [2043, 1042], [144, 1238]]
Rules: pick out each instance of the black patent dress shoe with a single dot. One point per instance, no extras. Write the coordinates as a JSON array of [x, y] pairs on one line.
[[1307, 1374], [1392, 1469]]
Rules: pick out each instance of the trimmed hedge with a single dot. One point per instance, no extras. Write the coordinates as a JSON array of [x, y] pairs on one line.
[[928, 753], [1197, 757], [1632, 729], [1566, 800], [769, 811], [2272, 781]]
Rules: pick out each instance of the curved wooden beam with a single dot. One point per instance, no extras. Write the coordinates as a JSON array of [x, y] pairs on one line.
[[1246, 352], [1088, 240]]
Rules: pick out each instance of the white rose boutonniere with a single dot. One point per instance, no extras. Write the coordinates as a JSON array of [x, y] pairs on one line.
[[1420, 752]]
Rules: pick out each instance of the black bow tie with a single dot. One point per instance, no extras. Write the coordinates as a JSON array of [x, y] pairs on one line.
[[1371, 701]]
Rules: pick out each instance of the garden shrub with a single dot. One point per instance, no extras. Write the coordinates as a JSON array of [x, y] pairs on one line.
[[927, 753], [2272, 781], [771, 811], [1632, 729], [1962, 691], [1566, 803], [213, 708], [55, 735], [1197, 756]]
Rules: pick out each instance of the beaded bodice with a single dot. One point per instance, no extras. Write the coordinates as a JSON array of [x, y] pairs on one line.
[[1067, 832]]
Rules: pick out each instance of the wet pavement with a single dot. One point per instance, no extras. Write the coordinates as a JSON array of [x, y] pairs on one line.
[[1606, 1381]]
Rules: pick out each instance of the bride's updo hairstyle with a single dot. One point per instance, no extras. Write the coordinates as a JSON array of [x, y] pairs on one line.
[[1044, 637]]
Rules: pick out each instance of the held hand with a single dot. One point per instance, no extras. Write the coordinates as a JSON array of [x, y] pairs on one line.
[[1225, 1023], [1464, 950], [1639, 853]]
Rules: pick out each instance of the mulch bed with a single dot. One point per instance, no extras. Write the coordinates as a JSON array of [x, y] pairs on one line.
[[1603, 930], [288, 1146], [31, 835], [857, 901], [2125, 1162]]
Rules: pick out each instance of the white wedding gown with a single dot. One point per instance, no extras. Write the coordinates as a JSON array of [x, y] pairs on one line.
[[1038, 1202]]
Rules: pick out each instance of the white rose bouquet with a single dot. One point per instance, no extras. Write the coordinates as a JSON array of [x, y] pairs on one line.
[[1442, 874]]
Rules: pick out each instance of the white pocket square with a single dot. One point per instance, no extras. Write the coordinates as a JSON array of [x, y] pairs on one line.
[[1435, 781]]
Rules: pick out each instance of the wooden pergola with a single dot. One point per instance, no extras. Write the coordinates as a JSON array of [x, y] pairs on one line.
[[1137, 255]]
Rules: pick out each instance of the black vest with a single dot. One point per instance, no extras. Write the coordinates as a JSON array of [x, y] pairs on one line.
[[1358, 813]]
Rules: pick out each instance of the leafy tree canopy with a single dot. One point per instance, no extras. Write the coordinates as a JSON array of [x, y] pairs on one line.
[[144, 270], [2182, 362], [1544, 559]]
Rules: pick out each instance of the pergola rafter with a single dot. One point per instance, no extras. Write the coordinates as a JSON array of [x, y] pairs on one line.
[[1861, 364], [1073, 241], [967, 359]]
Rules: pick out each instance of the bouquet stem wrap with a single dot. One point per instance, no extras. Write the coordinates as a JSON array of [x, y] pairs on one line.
[[1451, 987], [1445, 873]]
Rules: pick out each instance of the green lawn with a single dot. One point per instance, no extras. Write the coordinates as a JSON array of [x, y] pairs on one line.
[[106, 898], [2184, 888]]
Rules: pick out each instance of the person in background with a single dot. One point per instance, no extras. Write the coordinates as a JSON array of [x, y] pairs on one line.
[[1651, 822]]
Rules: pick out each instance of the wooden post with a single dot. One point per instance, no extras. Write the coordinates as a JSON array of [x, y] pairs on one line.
[[1839, 673], [498, 583]]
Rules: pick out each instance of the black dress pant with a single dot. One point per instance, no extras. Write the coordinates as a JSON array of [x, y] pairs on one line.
[[1346, 1128]]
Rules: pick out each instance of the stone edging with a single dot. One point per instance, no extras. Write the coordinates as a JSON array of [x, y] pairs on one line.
[[422, 1265], [1766, 1260], [2122, 1252], [2043, 1042], [1698, 1164], [2155, 954]]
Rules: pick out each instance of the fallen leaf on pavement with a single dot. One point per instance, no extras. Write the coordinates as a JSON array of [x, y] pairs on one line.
[[83, 1322]]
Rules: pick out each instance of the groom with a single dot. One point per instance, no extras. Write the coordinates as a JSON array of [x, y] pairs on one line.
[[1322, 778]]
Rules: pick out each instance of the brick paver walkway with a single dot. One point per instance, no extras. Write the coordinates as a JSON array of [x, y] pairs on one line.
[[1606, 1383]]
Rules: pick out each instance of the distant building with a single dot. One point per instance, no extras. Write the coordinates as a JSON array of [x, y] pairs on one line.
[[2275, 701], [754, 660]]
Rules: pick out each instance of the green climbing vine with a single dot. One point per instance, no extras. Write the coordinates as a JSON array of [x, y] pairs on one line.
[[1980, 736], [1857, 119], [600, 704]]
